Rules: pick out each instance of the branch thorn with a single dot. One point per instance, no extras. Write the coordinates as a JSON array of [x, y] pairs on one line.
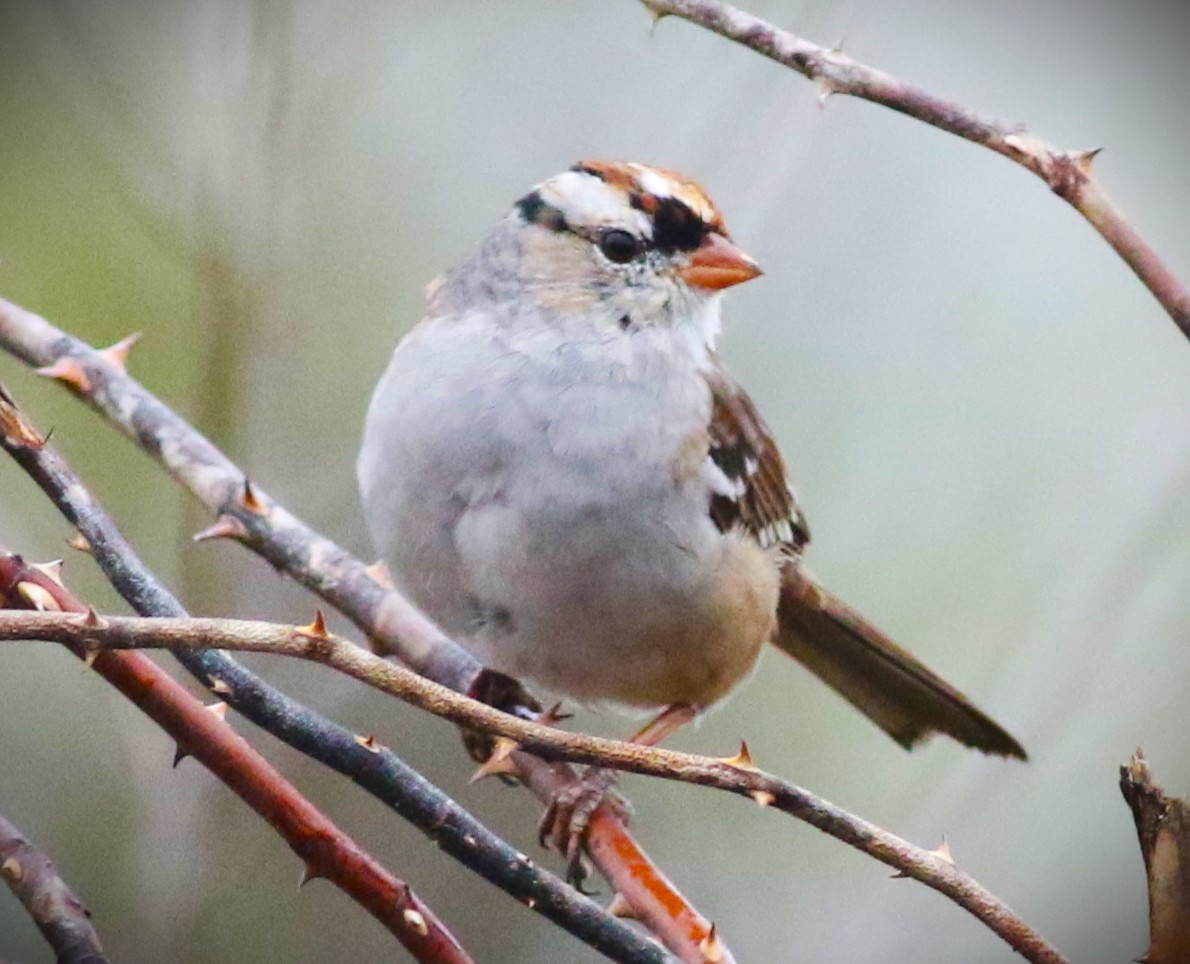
[[179, 755], [316, 629], [619, 907], [117, 355], [225, 527], [368, 742], [92, 620], [51, 570], [1084, 160], [38, 597], [70, 371], [379, 572], [15, 428], [499, 761], [416, 920], [742, 760], [79, 543], [251, 500], [711, 946], [942, 852], [763, 798], [218, 685], [656, 14], [217, 710]]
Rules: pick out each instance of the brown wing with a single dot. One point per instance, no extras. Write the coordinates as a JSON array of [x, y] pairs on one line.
[[895, 690], [759, 498]]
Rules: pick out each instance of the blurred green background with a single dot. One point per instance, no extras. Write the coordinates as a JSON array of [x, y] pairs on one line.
[[985, 413]]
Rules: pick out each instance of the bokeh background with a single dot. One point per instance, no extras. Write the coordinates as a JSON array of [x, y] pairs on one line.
[[986, 415]]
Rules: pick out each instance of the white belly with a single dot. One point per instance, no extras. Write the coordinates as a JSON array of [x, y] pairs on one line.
[[556, 523]]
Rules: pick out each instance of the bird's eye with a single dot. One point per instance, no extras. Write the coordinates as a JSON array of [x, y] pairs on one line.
[[619, 246]]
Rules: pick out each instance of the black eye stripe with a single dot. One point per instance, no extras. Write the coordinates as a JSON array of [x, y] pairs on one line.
[[536, 211], [676, 227]]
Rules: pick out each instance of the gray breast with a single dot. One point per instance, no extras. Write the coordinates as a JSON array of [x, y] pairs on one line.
[[536, 486]]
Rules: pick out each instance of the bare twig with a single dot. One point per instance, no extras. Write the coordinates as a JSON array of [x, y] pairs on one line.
[[247, 514], [60, 916], [1068, 173], [738, 774], [325, 850], [1163, 826], [372, 766]]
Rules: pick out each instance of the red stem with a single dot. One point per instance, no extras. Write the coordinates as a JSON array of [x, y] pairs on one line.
[[325, 850]]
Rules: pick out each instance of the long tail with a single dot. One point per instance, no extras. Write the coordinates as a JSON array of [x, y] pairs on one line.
[[897, 692]]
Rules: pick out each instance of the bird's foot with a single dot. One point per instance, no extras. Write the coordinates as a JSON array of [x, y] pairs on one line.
[[566, 822], [504, 693]]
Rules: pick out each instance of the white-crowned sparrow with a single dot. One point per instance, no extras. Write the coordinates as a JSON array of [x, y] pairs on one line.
[[558, 470]]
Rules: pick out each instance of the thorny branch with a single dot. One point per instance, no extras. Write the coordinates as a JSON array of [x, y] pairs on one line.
[[1068, 173], [1163, 827], [253, 518], [247, 514], [375, 768], [325, 850], [738, 774], [60, 916]]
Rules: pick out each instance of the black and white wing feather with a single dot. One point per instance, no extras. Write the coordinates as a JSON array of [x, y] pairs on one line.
[[757, 495]]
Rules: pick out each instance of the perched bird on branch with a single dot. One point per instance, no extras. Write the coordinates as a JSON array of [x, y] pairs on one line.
[[557, 468]]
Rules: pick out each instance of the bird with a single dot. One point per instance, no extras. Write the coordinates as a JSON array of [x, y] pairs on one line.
[[558, 469]]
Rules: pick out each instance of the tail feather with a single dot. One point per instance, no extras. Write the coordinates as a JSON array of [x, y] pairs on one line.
[[896, 691]]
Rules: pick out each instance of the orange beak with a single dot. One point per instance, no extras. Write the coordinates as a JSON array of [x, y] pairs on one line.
[[718, 264]]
